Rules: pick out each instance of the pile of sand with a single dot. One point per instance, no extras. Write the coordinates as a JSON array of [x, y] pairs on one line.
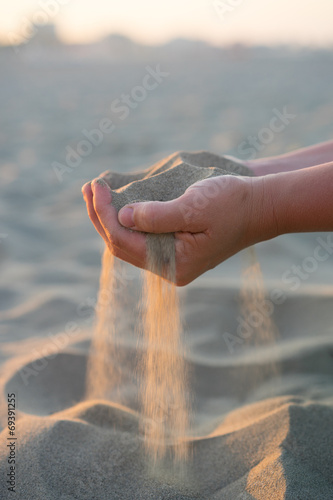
[[169, 178]]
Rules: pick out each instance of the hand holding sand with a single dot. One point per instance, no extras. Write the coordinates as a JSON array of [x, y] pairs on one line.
[[205, 236], [211, 220]]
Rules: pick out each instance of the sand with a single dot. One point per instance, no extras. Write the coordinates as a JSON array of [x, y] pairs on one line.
[[169, 178], [254, 439]]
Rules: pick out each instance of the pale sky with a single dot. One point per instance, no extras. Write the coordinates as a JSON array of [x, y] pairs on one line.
[[306, 22]]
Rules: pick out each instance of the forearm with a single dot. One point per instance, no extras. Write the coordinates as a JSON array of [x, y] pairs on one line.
[[301, 158], [298, 201]]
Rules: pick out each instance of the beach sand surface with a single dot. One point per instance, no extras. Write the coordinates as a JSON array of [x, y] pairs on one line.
[[262, 414]]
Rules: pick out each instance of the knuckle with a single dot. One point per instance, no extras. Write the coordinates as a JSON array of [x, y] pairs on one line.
[[186, 210], [148, 220]]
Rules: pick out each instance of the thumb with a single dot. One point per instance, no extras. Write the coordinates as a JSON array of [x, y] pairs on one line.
[[160, 216]]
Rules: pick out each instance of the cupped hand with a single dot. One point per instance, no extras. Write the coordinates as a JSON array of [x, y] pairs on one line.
[[214, 219]]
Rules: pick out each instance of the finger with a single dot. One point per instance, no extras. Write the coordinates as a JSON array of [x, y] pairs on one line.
[[88, 197], [85, 187], [127, 245], [163, 217]]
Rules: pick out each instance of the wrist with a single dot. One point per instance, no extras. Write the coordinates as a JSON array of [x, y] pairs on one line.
[[291, 202], [301, 200], [263, 223]]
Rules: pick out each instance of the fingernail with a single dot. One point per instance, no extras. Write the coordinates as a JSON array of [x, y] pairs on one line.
[[101, 182], [94, 182], [125, 217]]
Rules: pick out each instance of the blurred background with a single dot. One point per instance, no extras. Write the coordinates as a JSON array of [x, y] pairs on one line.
[[93, 85]]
